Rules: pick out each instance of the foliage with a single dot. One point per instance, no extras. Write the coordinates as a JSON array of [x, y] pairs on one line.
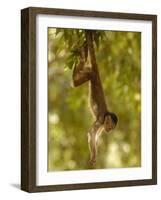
[[118, 57]]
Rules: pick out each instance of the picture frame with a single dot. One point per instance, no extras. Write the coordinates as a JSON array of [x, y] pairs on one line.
[[31, 19]]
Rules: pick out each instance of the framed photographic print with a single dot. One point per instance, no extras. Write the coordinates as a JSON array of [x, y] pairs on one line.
[[88, 99]]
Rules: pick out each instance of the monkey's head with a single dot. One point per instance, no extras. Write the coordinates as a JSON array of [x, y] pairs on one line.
[[110, 121]]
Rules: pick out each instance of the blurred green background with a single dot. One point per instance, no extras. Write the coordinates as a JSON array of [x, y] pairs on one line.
[[69, 118]]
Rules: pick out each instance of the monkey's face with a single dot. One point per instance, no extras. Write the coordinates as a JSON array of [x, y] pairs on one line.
[[109, 124]]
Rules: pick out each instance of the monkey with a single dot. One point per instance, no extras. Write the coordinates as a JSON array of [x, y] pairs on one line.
[[104, 119]]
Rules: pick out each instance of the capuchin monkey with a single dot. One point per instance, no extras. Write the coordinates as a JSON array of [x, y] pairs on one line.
[[104, 119]]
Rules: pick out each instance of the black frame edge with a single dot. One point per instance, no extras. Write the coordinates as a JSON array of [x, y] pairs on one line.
[[91, 13], [154, 99], [24, 99], [28, 100]]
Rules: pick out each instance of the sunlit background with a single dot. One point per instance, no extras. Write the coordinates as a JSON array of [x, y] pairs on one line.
[[69, 117]]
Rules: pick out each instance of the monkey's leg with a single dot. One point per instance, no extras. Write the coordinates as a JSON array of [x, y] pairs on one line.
[[92, 140], [81, 75]]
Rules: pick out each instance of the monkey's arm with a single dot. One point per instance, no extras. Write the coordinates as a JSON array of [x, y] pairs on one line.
[[93, 135]]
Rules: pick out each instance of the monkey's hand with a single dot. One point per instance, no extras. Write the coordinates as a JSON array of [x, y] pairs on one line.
[[92, 161]]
